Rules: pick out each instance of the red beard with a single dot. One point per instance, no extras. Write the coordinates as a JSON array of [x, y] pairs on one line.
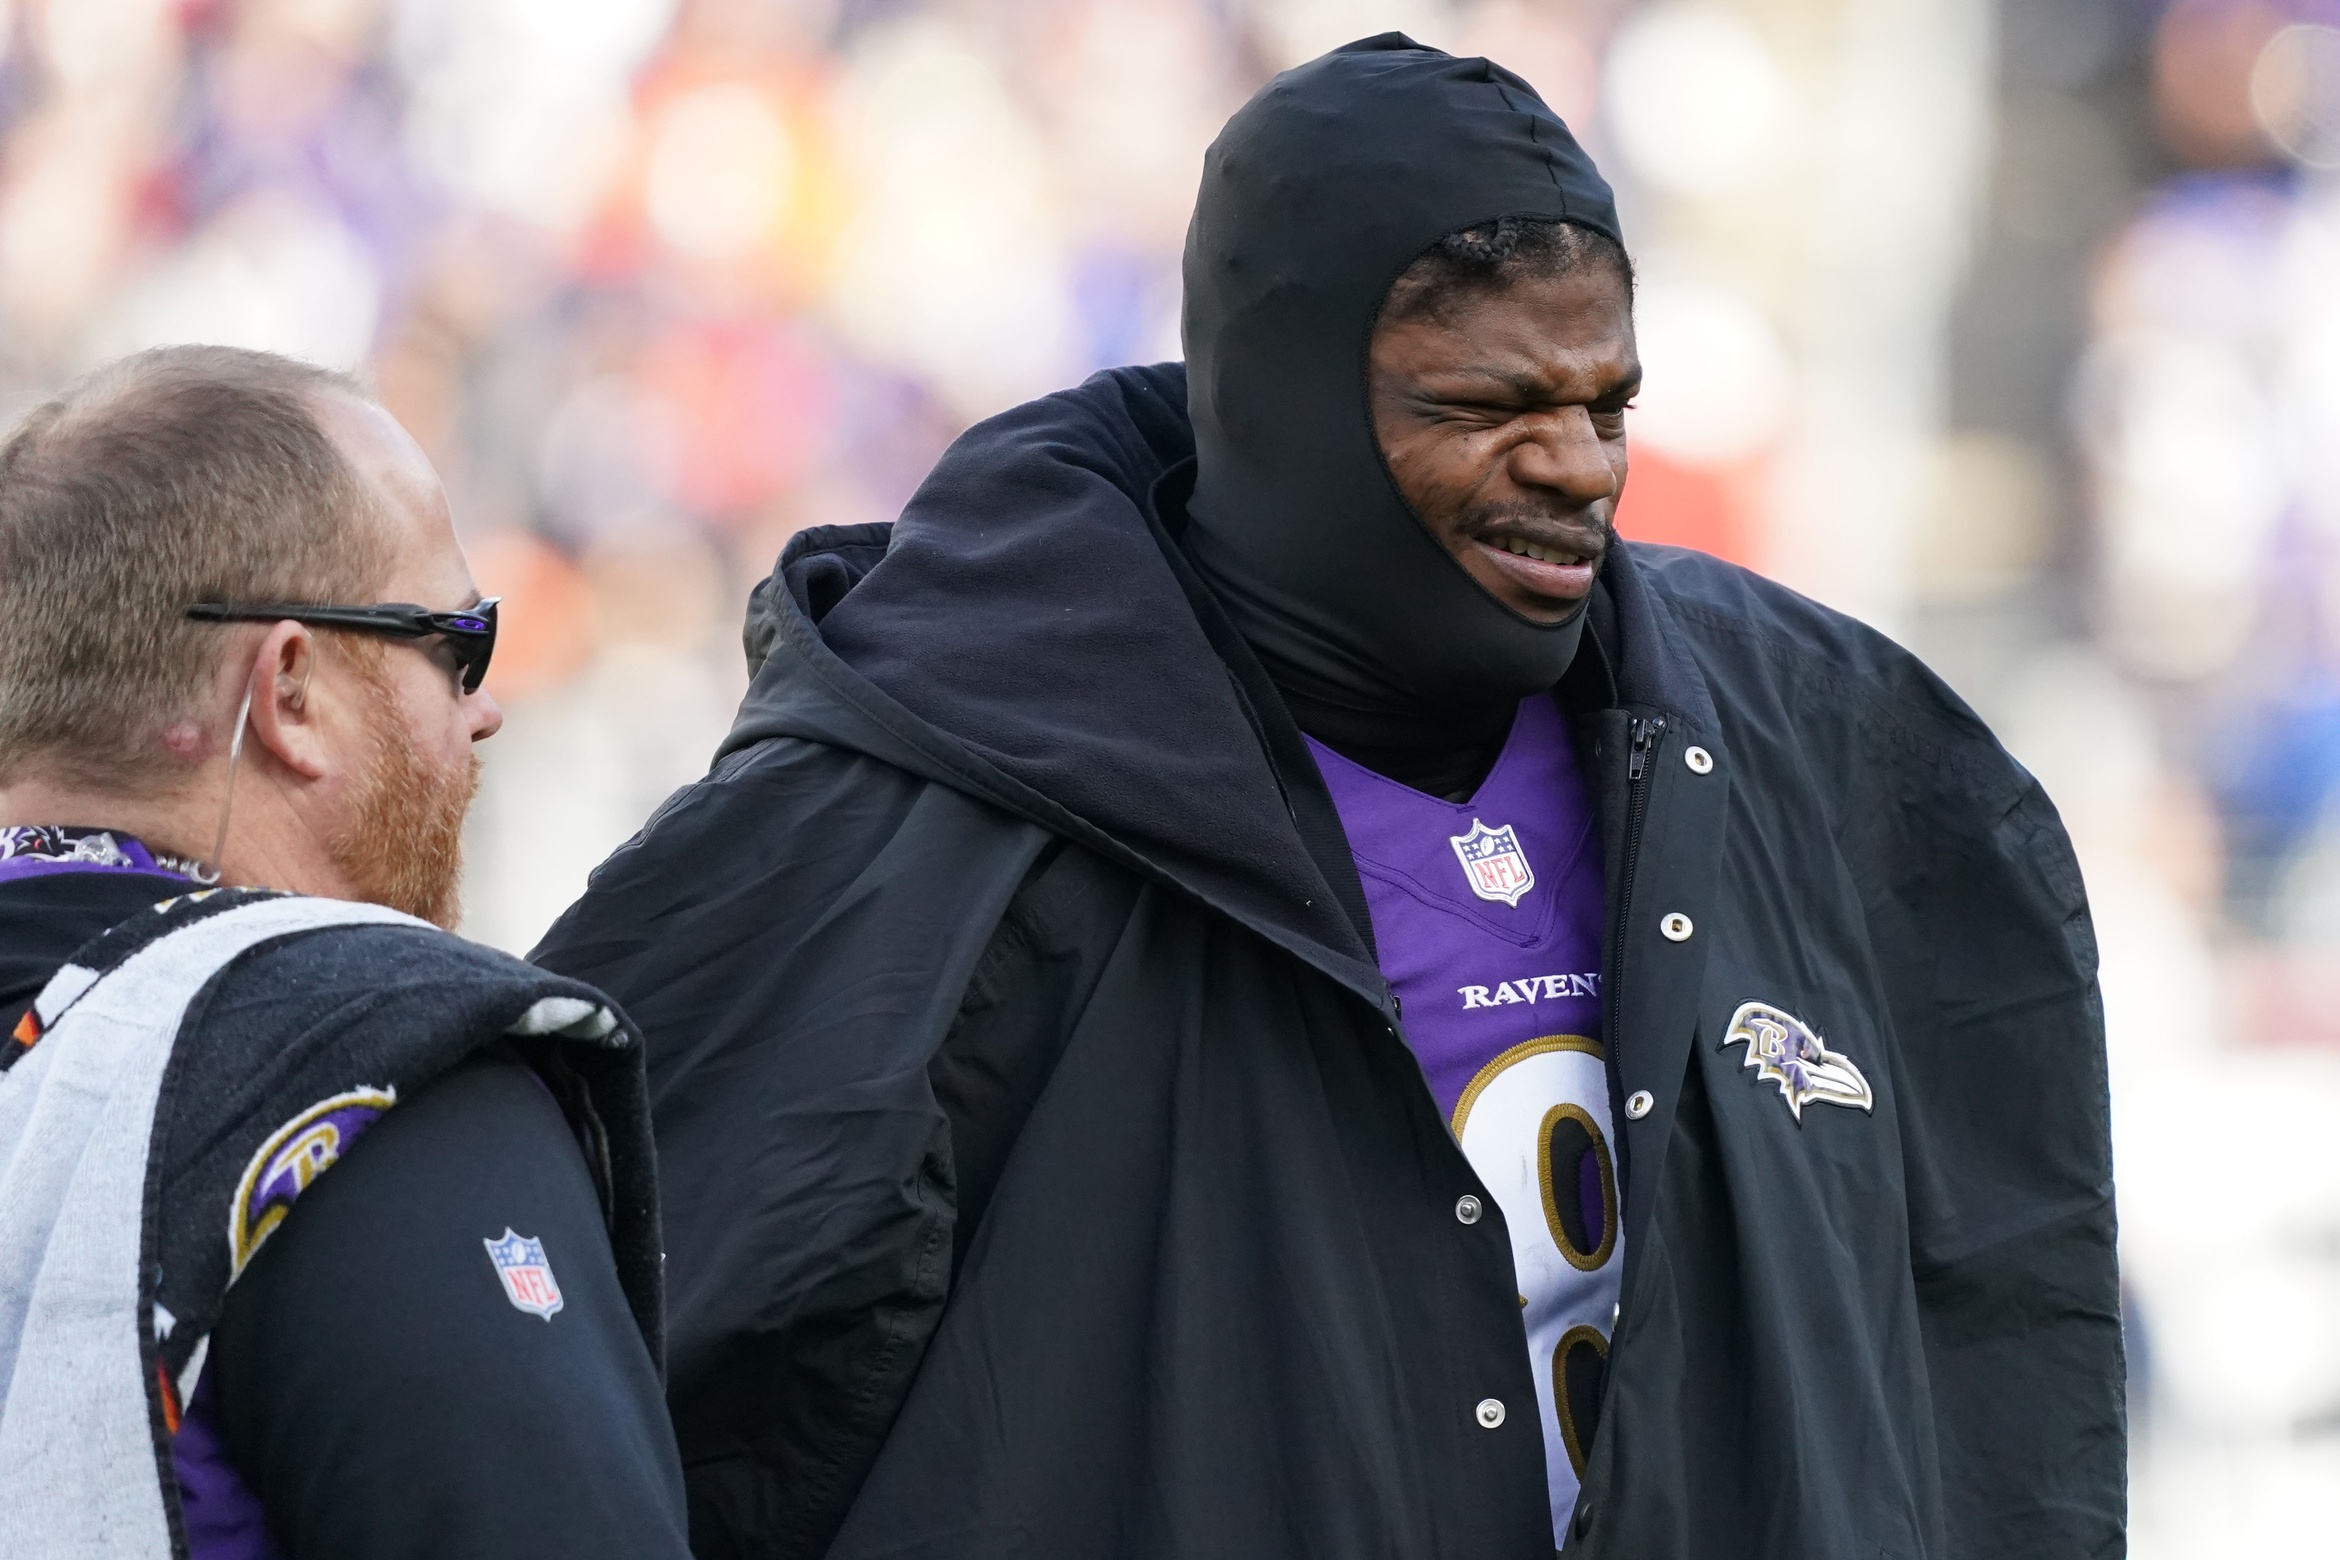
[[405, 847]]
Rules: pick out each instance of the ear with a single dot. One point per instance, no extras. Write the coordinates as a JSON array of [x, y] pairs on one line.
[[284, 718]]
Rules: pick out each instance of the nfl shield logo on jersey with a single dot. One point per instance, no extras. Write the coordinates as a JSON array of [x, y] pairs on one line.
[[1494, 863], [528, 1279]]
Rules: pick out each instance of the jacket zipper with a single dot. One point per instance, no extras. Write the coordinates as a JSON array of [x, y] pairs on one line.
[[1636, 805], [1645, 735]]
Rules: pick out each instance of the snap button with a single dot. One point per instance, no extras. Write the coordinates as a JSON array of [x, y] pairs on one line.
[[1638, 1103], [1701, 762], [1675, 927], [1467, 1209], [1490, 1413]]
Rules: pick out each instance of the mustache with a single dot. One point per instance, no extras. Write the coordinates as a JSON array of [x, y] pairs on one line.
[[1576, 525]]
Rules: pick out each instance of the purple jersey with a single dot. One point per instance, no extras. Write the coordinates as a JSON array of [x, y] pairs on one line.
[[1488, 918]]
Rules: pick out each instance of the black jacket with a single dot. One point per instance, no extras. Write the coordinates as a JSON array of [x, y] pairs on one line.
[[1046, 1173], [365, 1377]]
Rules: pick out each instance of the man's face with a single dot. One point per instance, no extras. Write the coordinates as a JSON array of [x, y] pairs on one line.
[[398, 835], [1503, 421]]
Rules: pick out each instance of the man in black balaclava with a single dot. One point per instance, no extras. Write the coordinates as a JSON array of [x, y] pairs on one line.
[[1350, 505], [1250, 983]]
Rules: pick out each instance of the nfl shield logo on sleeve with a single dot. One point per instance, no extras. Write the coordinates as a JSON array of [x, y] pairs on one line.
[[1494, 863], [528, 1279]]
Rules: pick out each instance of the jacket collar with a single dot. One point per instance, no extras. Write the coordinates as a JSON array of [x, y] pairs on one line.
[[1641, 655]]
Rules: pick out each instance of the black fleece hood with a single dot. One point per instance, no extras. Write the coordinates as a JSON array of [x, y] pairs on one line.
[[1317, 195]]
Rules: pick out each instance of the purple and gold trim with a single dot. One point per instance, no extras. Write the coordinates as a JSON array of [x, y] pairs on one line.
[[295, 1154]]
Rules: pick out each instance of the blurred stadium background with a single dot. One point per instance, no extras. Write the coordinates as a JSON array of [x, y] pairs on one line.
[[2012, 328]]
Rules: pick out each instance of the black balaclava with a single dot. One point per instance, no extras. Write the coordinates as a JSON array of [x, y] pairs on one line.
[[1315, 197]]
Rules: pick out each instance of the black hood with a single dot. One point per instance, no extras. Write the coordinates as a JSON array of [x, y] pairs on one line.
[[1319, 192], [1026, 633]]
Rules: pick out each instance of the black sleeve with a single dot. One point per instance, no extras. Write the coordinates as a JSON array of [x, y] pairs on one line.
[[384, 1397], [795, 937], [1022, 1005], [2007, 1136]]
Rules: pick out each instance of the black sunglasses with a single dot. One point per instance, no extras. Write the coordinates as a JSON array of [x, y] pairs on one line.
[[470, 634]]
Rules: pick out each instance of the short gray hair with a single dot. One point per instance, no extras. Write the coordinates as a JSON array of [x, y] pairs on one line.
[[178, 475]]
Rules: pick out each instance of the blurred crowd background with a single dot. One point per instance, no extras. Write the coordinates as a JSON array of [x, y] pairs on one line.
[[2013, 328]]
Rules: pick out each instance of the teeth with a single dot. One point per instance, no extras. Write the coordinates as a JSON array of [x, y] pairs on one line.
[[1540, 554]]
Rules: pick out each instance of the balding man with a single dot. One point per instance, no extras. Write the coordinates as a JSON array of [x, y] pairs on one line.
[[239, 689]]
